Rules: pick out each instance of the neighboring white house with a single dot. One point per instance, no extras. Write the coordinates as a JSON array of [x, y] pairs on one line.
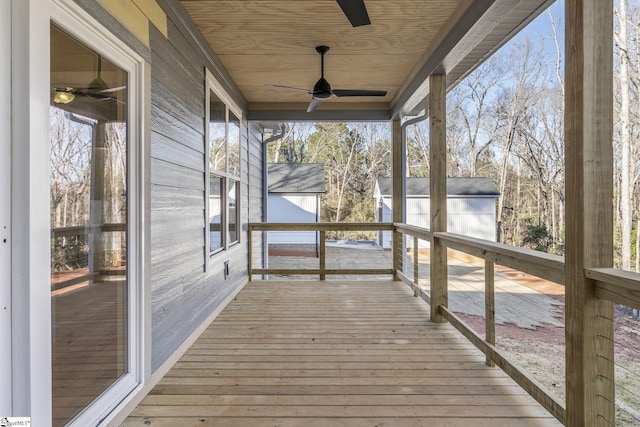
[[294, 196], [471, 207]]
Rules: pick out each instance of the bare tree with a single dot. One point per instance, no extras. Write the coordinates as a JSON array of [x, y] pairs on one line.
[[625, 134]]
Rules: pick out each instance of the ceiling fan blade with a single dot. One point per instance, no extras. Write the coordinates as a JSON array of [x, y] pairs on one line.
[[315, 103], [90, 94], [355, 92], [102, 97], [310, 92], [356, 12], [113, 89]]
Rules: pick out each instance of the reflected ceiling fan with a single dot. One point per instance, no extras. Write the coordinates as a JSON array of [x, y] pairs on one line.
[[356, 12], [322, 89], [98, 89]]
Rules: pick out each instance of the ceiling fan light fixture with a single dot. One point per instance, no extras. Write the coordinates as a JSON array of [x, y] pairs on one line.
[[63, 97]]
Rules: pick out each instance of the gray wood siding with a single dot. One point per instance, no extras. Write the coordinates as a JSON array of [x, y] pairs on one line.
[[256, 187], [187, 284]]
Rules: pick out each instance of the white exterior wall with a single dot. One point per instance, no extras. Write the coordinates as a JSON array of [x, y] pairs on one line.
[[293, 208], [469, 216], [474, 217]]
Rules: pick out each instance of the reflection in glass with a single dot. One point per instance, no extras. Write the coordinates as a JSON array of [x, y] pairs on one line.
[[88, 214], [234, 145], [217, 134], [216, 235], [234, 196]]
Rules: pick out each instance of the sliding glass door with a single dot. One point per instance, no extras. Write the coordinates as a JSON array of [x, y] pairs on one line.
[[89, 217]]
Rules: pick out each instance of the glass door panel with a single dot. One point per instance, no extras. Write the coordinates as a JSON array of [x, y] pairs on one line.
[[88, 211]]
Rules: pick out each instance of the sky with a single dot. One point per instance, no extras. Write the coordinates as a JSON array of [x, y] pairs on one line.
[[541, 27]]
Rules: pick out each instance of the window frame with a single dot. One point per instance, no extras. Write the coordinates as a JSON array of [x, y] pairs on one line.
[[226, 176]]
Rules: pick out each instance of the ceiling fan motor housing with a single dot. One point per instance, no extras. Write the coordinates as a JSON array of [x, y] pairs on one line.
[[322, 89]]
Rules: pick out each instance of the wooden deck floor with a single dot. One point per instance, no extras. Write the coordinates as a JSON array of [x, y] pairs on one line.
[[318, 354]]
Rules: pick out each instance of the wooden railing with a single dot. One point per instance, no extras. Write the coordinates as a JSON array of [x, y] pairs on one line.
[[618, 286], [549, 267], [611, 284], [322, 228], [85, 230]]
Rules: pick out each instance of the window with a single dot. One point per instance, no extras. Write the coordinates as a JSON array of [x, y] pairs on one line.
[[224, 145]]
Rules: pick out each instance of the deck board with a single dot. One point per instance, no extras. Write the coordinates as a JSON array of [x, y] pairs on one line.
[[336, 353]]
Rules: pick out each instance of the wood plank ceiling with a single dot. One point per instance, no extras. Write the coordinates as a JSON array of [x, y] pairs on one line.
[[262, 42]]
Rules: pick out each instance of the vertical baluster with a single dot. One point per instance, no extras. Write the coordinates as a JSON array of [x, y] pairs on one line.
[[489, 306], [250, 251], [416, 263], [323, 253]]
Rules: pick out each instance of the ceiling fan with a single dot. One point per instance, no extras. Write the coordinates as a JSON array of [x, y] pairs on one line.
[[98, 89], [65, 95], [356, 12], [322, 89]]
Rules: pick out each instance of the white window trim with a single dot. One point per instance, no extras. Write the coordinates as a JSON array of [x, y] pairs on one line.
[[31, 302], [213, 85]]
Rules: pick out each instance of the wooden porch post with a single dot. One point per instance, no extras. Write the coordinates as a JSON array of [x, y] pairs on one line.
[[97, 243], [589, 212], [398, 159], [438, 190]]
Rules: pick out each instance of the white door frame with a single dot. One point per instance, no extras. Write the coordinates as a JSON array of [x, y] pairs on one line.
[[30, 251], [30, 299], [5, 210]]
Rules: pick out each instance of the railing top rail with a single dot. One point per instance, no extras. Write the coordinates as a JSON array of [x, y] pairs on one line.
[[413, 230], [78, 230], [619, 286], [540, 264], [321, 226]]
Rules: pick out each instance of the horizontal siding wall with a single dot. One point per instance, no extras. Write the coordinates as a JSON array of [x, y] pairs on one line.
[[255, 194], [186, 284]]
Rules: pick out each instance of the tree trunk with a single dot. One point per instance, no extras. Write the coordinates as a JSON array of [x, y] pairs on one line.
[[505, 167], [637, 243], [625, 136], [343, 184], [554, 234]]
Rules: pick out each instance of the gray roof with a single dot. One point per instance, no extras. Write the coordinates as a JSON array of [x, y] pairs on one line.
[[296, 178], [478, 186]]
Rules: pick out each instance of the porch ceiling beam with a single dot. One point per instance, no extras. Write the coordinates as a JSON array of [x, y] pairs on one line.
[[465, 37], [319, 115]]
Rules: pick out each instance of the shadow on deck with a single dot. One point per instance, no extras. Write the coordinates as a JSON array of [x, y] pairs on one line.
[[335, 353]]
